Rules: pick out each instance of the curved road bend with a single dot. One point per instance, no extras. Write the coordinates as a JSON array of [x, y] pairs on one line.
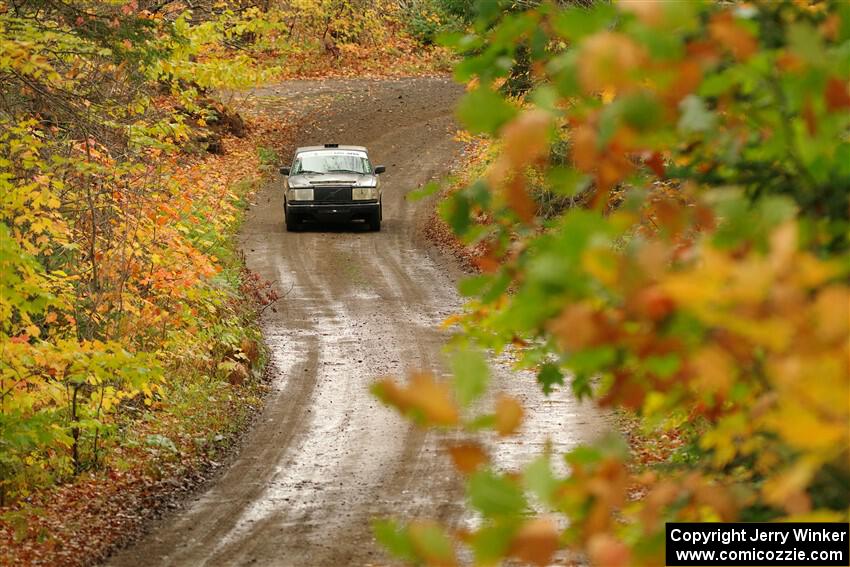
[[324, 457]]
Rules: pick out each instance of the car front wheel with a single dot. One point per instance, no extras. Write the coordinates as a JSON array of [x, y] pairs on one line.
[[375, 220], [293, 223]]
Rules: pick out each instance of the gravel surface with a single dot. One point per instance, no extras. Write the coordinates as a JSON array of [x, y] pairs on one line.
[[325, 457]]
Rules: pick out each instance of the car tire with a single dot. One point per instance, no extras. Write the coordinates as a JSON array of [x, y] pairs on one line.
[[375, 220], [293, 223]]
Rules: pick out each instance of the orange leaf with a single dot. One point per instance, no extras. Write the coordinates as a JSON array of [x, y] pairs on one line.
[[536, 541], [653, 303], [527, 138], [584, 150], [625, 391], [608, 60], [508, 414], [649, 12], [730, 34], [607, 551], [467, 457], [487, 264], [687, 78], [580, 326], [789, 62], [391, 394], [432, 398], [518, 199]]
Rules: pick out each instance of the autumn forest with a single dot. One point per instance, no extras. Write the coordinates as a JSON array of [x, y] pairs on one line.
[[612, 290]]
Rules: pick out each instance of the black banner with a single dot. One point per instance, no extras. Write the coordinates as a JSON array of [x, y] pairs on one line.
[[763, 544]]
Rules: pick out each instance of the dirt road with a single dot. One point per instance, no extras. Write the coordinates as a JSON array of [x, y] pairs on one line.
[[325, 457]]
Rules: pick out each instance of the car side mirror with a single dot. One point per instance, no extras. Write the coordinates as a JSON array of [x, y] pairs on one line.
[[380, 169], [284, 170]]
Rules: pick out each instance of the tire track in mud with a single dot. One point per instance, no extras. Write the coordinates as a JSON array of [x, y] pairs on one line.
[[324, 458]]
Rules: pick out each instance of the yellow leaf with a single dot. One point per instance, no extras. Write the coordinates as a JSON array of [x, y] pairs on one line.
[[715, 369], [788, 488], [832, 314], [804, 428]]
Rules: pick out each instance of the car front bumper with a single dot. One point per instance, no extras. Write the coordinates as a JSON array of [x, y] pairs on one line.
[[318, 211]]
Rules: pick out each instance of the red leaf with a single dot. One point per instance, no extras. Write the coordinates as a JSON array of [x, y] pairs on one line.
[[837, 95], [655, 162]]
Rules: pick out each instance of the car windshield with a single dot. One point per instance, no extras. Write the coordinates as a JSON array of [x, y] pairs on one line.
[[331, 162]]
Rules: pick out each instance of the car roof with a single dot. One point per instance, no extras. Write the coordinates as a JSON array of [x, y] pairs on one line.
[[330, 147]]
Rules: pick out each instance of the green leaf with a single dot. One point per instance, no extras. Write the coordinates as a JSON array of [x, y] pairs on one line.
[[395, 539], [491, 543], [567, 181], [495, 496], [610, 445], [474, 285], [160, 442], [432, 543], [641, 111], [695, 116], [546, 97], [577, 22], [663, 366], [717, 83], [540, 480], [425, 191], [484, 111], [806, 42], [549, 376], [499, 286], [455, 211], [583, 455], [487, 421], [592, 360], [471, 375]]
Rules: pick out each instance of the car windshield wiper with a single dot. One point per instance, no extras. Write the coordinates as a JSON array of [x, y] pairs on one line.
[[305, 171], [344, 171]]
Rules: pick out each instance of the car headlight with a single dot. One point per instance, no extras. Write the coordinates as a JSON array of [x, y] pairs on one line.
[[364, 193], [301, 194]]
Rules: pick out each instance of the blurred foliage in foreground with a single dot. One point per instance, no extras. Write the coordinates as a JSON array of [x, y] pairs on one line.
[[703, 284]]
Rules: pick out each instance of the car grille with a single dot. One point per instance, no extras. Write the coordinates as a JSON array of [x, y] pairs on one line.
[[331, 194]]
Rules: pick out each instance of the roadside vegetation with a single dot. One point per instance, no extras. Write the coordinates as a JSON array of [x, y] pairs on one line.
[[660, 213], [130, 354]]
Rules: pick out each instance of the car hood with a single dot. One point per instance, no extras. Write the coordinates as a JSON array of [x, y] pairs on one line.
[[312, 180]]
